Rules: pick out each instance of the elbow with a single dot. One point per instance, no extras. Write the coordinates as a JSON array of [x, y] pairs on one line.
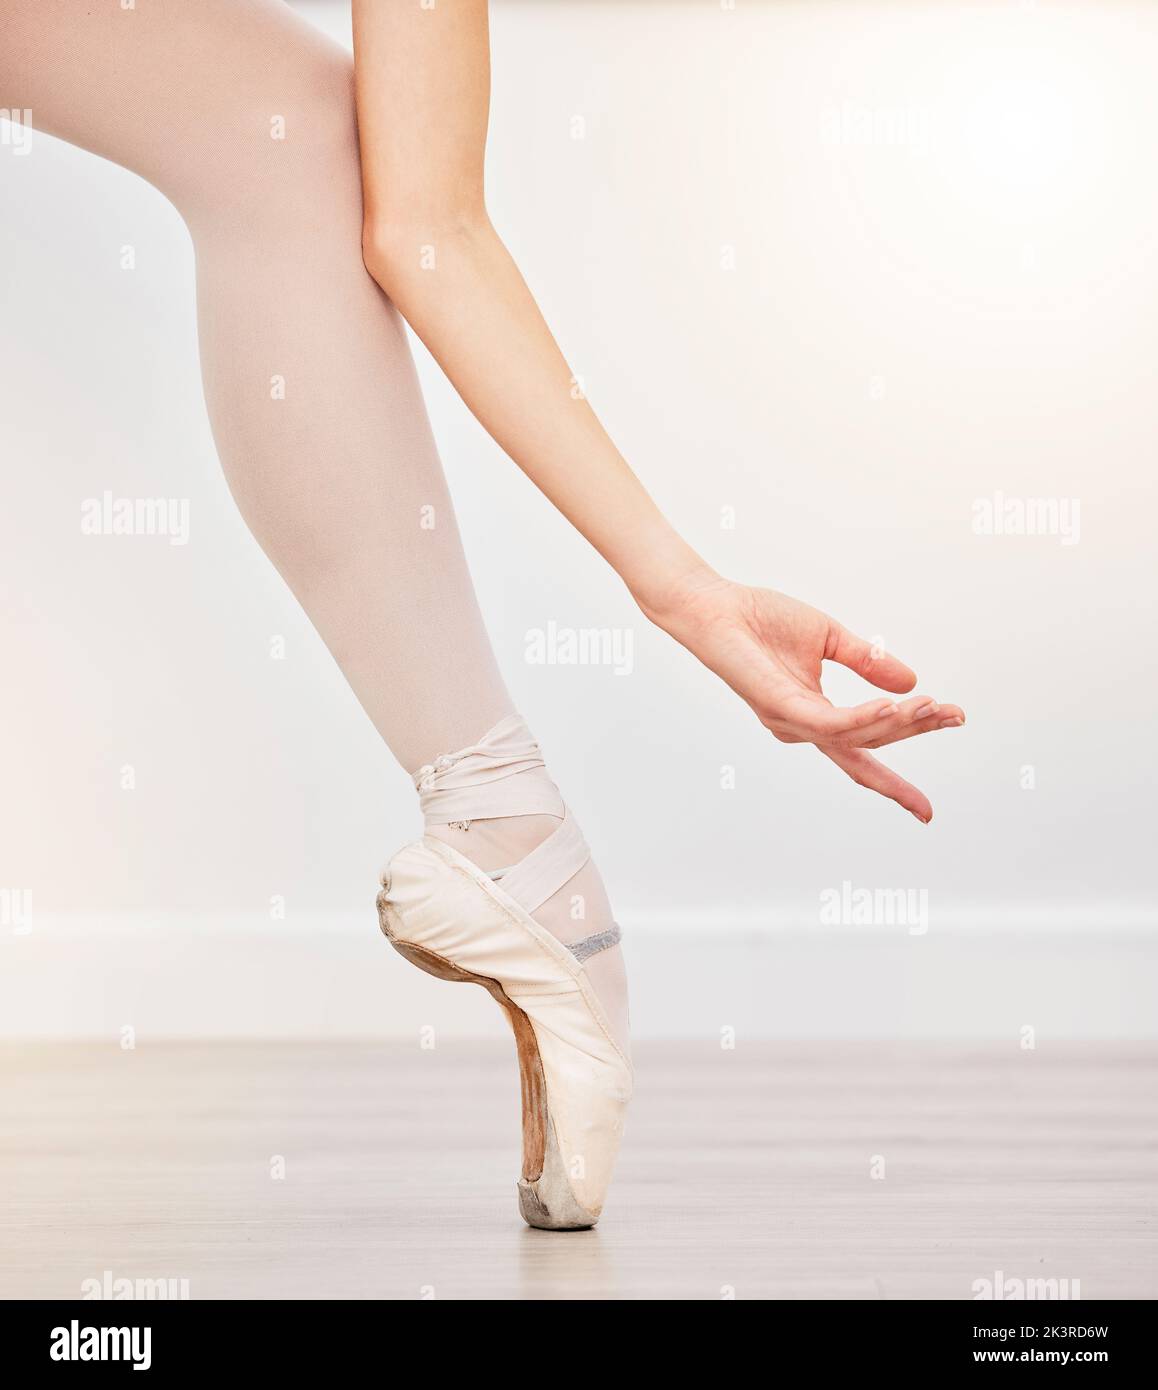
[[396, 251], [381, 252]]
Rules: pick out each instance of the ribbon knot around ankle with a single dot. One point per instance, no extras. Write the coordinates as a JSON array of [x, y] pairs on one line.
[[501, 775], [424, 777]]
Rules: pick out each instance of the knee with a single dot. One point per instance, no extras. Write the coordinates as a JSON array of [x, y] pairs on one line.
[[289, 173]]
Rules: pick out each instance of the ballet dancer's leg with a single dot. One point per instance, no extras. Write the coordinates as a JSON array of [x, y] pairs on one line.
[[243, 116]]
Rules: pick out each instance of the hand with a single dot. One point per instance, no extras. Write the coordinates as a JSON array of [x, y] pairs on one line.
[[769, 648]]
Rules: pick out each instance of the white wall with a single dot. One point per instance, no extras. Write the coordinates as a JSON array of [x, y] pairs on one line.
[[942, 224]]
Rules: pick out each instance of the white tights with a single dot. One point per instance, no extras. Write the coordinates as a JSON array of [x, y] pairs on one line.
[[242, 115]]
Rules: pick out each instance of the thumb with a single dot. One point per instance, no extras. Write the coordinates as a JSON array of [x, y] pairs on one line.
[[876, 666]]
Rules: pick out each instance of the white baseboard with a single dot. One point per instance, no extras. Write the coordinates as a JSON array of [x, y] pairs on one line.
[[195, 978]]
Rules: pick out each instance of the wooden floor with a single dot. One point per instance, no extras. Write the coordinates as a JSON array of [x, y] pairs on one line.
[[745, 1171]]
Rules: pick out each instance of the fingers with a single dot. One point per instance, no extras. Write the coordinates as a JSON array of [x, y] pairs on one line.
[[876, 666], [811, 719], [865, 771], [940, 717], [919, 715]]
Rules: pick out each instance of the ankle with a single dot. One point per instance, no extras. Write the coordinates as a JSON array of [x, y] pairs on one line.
[[498, 842]]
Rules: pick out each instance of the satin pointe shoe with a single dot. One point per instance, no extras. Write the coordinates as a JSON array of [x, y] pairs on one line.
[[459, 922]]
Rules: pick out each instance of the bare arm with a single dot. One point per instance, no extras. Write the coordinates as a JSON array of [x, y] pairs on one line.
[[423, 92], [423, 96]]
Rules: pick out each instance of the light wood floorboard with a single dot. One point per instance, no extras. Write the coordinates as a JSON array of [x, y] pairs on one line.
[[746, 1170]]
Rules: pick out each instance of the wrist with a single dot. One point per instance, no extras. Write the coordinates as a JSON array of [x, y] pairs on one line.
[[668, 578]]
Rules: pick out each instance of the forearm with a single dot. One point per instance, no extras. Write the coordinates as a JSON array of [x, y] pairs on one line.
[[462, 293], [423, 91]]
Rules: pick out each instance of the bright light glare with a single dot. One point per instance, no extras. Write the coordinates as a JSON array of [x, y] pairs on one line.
[[1024, 132]]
